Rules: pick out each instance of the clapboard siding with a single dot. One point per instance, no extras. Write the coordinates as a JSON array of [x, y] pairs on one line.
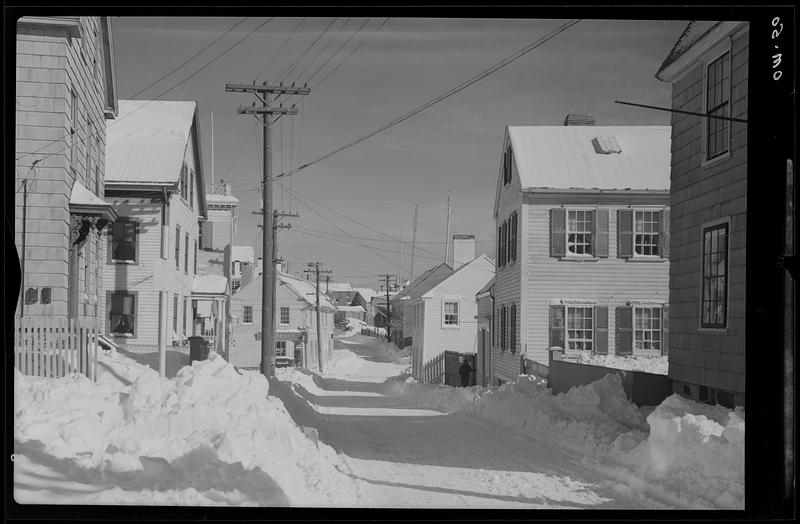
[[48, 64], [508, 279], [701, 194]]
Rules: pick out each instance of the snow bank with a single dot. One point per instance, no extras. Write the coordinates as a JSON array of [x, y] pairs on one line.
[[346, 365], [444, 398], [655, 365], [132, 414], [694, 450]]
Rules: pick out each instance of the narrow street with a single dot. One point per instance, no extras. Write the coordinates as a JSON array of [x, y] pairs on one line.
[[410, 456]]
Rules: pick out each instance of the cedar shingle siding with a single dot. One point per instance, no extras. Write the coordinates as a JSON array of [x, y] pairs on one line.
[[702, 194]]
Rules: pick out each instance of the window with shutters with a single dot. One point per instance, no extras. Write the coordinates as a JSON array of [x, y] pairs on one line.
[[714, 302], [717, 100], [182, 186], [512, 340], [73, 130], [647, 328], [503, 328], [175, 316], [178, 247], [507, 163], [512, 236], [247, 315], [579, 328], [124, 241], [557, 327], [122, 313], [185, 318], [580, 228], [186, 254], [646, 228], [191, 189], [195, 257]]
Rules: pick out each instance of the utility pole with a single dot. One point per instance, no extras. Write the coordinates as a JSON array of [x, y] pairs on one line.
[[264, 92], [387, 277], [317, 271], [447, 234], [413, 242]]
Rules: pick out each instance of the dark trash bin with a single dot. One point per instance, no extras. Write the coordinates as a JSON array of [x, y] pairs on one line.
[[198, 349]]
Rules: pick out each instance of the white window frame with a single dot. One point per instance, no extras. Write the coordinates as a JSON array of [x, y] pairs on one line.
[[244, 314], [568, 339], [109, 305], [712, 55], [278, 344], [659, 317], [703, 227], [451, 300], [136, 243], [280, 316], [636, 210], [569, 254]]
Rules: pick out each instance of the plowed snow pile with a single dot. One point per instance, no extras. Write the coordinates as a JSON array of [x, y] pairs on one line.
[[132, 415]]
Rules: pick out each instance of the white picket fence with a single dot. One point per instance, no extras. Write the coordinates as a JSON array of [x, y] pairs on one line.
[[55, 347]]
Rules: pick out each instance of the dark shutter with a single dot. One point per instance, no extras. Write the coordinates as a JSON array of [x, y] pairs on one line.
[[558, 224], [624, 332], [663, 234], [665, 329], [625, 233], [515, 236], [557, 326], [512, 329], [499, 245], [601, 330], [207, 236], [601, 233]]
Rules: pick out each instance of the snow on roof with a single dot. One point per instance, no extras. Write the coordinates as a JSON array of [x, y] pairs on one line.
[[366, 292], [351, 308], [214, 284], [339, 286], [212, 198], [306, 290], [147, 142], [488, 287], [592, 157], [243, 254], [693, 32], [425, 282], [82, 196]]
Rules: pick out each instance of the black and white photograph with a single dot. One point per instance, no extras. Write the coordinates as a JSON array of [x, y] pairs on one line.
[[490, 262]]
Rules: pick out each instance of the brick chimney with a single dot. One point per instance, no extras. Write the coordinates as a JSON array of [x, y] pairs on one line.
[[463, 250], [575, 119]]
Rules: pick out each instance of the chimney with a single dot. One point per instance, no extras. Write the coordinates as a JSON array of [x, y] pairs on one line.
[[463, 250], [575, 119]]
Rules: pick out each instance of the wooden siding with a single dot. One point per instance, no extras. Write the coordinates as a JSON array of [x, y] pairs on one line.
[[700, 194], [48, 64], [610, 281], [508, 279]]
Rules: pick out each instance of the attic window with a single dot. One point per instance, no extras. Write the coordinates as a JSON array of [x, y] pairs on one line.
[[605, 145]]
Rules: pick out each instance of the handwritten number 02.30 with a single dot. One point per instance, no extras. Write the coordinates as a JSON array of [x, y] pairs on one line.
[[776, 58]]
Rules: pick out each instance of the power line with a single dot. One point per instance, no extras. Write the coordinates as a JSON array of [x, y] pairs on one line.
[[149, 101], [280, 48], [300, 58], [352, 53], [326, 62], [234, 26], [319, 53], [439, 98]]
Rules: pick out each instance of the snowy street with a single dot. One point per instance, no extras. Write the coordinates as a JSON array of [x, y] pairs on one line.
[[413, 457]]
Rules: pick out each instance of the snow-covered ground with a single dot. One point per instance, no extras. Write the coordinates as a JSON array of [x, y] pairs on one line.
[[209, 436], [656, 365]]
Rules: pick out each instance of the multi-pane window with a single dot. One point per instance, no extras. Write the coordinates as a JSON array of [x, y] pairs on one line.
[[451, 313], [235, 285], [579, 328], [718, 103], [284, 315], [646, 227], [247, 315], [512, 236], [123, 241], [178, 247], [714, 305], [580, 224], [647, 328], [186, 254], [280, 348], [122, 314]]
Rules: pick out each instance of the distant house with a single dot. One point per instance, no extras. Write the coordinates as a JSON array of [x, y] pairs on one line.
[[341, 293], [155, 181], [485, 318], [345, 312], [65, 92], [442, 318], [243, 267], [380, 307], [363, 297], [708, 70], [582, 222], [295, 325], [401, 323]]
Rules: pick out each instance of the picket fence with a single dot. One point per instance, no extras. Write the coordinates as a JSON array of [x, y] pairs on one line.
[[56, 347], [433, 370]]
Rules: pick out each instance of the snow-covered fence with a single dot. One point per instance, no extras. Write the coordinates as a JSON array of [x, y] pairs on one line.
[[433, 370], [55, 347]]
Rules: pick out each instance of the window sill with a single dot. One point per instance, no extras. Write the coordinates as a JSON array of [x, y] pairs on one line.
[[716, 160], [124, 335], [645, 258], [579, 258], [129, 262], [712, 331], [450, 326]]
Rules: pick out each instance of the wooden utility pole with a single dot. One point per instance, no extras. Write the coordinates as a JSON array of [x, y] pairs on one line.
[[263, 92], [387, 277], [447, 233], [317, 271], [413, 243]]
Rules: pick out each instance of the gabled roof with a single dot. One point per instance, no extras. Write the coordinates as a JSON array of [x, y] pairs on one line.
[[487, 288], [693, 32], [423, 283], [339, 286], [592, 157], [366, 292], [489, 274], [304, 290]]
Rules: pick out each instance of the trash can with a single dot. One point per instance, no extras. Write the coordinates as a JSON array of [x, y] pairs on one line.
[[198, 349]]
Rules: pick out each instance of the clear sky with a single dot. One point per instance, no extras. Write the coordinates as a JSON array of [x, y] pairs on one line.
[[453, 146]]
